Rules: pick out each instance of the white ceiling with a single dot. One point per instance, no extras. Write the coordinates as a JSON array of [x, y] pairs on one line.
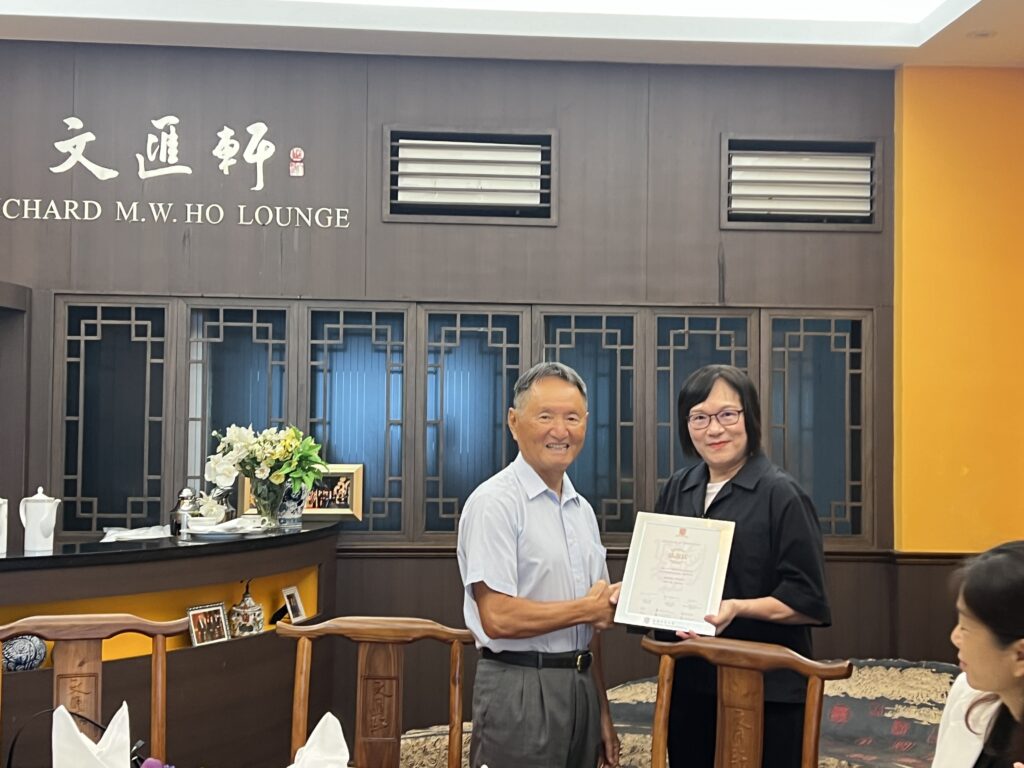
[[989, 34]]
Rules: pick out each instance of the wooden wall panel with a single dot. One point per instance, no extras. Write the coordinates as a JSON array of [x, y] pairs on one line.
[[860, 589], [638, 156], [13, 421], [880, 454], [40, 404], [924, 607], [596, 252], [691, 108], [36, 91], [316, 102]]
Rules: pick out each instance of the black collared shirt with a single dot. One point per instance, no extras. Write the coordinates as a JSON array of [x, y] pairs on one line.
[[777, 551]]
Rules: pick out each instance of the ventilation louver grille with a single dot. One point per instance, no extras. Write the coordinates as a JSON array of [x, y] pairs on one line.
[[801, 182], [476, 175]]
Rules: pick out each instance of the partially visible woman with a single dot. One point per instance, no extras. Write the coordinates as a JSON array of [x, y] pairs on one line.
[[983, 722], [774, 585]]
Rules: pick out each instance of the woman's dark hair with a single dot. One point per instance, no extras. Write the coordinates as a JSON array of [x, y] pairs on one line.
[[698, 386], [989, 584], [992, 582]]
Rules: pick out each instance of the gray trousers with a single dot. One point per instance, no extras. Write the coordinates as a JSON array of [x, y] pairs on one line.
[[534, 718]]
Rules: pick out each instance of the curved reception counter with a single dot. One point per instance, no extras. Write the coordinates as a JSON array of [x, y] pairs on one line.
[[228, 699]]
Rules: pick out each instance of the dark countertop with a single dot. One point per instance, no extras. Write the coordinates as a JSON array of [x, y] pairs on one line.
[[75, 550]]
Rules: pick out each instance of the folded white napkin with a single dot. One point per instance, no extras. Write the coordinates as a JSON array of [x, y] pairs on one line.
[[134, 534], [325, 747], [238, 525], [73, 749]]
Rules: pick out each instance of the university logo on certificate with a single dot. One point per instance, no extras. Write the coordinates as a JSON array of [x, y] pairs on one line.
[[675, 572]]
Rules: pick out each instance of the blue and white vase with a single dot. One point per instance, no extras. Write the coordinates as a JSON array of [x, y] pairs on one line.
[[289, 514], [23, 652]]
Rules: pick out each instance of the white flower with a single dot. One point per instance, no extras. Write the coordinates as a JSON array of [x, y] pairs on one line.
[[220, 471], [262, 472], [236, 455], [240, 437], [210, 507]]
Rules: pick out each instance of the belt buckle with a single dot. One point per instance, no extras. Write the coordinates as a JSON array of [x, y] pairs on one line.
[[583, 661]]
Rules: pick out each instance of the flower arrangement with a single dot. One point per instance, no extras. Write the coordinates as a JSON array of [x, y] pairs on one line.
[[273, 460]]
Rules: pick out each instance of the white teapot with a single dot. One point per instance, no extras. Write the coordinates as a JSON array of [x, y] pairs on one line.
[[39, 516], [3, 527]]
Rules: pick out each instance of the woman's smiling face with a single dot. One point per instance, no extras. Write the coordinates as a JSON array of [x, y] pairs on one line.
[[724, 449], [988, 663]]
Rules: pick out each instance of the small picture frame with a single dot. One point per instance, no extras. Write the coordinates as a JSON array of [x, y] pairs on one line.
[[208, 624], [293, 602], [338, 493]]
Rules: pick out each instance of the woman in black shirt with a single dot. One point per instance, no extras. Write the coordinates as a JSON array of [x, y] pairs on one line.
[[774, 586]]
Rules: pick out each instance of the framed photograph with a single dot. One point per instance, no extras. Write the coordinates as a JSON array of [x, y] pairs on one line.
[[293, 602], [208, 624], [338, 493]]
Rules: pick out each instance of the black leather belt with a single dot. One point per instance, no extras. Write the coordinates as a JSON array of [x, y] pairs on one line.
[[578, 660]]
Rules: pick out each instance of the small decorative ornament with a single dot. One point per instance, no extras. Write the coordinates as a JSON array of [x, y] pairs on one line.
[[23, 652], [246, 615]]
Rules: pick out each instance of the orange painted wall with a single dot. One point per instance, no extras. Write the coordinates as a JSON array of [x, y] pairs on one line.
[[959, 379]]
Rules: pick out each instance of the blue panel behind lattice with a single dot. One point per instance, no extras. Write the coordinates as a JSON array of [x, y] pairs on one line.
[[113, 423], [238, 370], [601, 350], [356, 409], [809, 395], [472, 413]]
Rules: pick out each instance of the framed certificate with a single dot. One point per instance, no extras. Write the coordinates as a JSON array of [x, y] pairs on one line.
[[675, 572]]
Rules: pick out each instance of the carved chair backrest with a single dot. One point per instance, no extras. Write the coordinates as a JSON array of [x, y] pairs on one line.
[[78, 662], [741, 666], [381, 642]]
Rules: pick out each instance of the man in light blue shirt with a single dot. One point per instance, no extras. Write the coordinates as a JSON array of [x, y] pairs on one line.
[[536, 589]]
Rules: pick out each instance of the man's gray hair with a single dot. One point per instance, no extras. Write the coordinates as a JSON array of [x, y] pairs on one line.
[[543, 371]]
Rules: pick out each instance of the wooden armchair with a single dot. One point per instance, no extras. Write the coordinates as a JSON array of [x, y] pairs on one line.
[[741, 666], [78, 662], [379, 688]]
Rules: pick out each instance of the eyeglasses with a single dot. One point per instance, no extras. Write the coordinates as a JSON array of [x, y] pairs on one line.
[[726, 418]]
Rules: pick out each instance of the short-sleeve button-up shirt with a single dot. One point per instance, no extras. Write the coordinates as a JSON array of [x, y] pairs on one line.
[[517, 537]]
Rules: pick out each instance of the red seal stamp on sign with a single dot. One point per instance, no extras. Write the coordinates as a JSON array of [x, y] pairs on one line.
[[296, 155]]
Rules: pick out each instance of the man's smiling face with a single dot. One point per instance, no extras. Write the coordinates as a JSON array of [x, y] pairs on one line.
[[550, 426]]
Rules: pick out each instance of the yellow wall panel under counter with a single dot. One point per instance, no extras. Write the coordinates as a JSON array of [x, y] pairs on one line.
[[173, 604]]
